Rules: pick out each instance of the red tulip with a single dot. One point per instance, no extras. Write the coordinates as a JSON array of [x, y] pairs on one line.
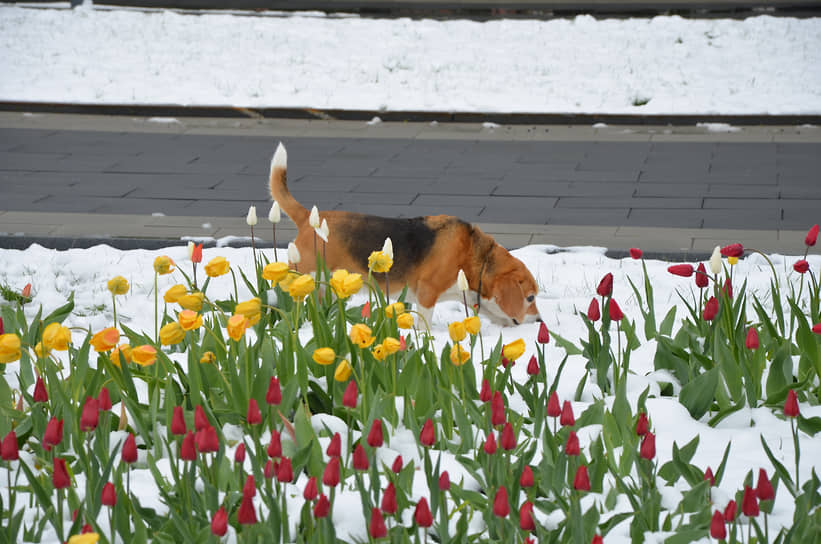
[[553, 408], [812, 236], [274, 394], [614, 311], [90, 415], [254, 416], [360, 458], [801, 266], [366, 310], [572, 446], [322, 507], [239, 453], [683, 270], [270, 469], [733, 250], [717, 528], [275, 445], [567, 419], [444, 481], [375, 438], [702, 279], [196, 254], [427, 437], [597, 539], [26, 291], [764, 490], [648, 446], [9, 450], [485, 393], [311, 491], [526, 521], [422, 515], [178, 427], [593, 313], [635, 253], [377, 527], [188, 448], [508, 437], [59, 477], [544, 335], [402, 343], [506, 363], [397, 464], [497, 409], [728, 288], [581, 482], [816, 328], [501, 507], [285, 472], [533, 366], [104, 399], [40, 394], [791, 404], [642, 425], [526, 479], [749, 504], [129, 453], [490, 444], [330, 476], [730, 511], [207, 440], [710, 309], [605, 285], [53, 434], [335, 446], [247, 515], [219, 523], [249, 489], [388, 504], [752, 339], [708, 475], [200, 419], [349, 398], [109, 495]]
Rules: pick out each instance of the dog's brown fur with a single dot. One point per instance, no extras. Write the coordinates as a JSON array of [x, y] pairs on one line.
[[429, 251]]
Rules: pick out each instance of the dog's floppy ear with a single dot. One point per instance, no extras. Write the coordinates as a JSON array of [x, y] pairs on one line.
[[507, 293]]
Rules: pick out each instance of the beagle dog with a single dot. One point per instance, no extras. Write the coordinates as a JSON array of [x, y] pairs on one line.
[[429, 253]]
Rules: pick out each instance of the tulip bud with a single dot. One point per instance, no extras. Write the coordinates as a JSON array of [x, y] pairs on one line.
[[642, 425], [388, 504], [715, 261], [53, 434], [377, 527], [614, 310], [526, 480], [219, 523], [129, 453], [275, 445], [397, 464], [733, 250], [188, 448], [330, 476], [323, 231], [544, 335], [581, 482], [816, 328], [108, 497], [462, 281], [605, 287], [322, 507], [648, 446], [251, 218], [274, 394], [533, 366], [427, 436], [350, 396], [710, 309], [59, 475], [190, 249], [104, 399], [293, 253], [717, 527], [247, 515], [501, 506], [485, 393], [572, 446], [730, 511], [801, 266], [702, 279], [751, 341], [275, 216], [635, 253], [593, 313], [207, 440], [567, 419], [497, 409], [313, 218], [249, 488], [553, 408], [444, 481], [178, 427], [375, 438], [254, 416], [791, 404], [387, 248], [749, 504], [708, 475], [360, 458], [90, 415], [422, 515], [200, 419], [311, 491], [239, 453], [9, 450], [285, 472], [40, 394], [812, 236], [683, 270], [764, 489], [526, 521], [490, 444]]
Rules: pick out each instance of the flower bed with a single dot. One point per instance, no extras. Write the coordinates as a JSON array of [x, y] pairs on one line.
[[243, 401]]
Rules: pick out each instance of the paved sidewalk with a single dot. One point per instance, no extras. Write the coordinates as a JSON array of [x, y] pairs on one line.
[[664, 189]]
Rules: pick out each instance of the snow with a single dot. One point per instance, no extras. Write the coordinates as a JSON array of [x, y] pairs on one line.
[[659, 65]]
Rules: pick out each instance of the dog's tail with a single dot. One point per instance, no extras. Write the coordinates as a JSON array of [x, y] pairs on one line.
[[279, 188]]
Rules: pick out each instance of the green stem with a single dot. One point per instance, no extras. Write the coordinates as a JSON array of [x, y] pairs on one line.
[[156, 329], [114, 306]]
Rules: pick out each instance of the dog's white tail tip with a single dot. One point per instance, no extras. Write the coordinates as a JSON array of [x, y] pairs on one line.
[[280, 159]]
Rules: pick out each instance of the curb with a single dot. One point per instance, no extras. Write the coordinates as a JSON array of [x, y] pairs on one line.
[[172, 110]]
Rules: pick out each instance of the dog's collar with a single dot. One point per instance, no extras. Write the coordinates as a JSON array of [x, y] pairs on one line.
[[479, 291]]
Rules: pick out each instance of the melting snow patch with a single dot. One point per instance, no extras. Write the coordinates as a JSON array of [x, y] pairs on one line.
[[718, 127]]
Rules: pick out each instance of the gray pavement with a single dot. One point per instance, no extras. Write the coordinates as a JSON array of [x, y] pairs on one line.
[[664, 189]]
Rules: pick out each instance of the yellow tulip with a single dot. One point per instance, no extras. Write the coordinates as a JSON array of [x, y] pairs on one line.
[[324, 356], [472, 324], [144, 355], [514, 350], [39, 351], [391, 345], [301, 287], [394, 309], [118, 285], [361, 335], [343, 371], [175, 293], [236, 326], [55, 336], [275, 272], [105, 340], [217, 267], [121, 353], [208, 357], [732, 260], [171, 333], [404, 321], [251, 309], [191, 301], [9, 347], [189, 320], [162, 265], [84, 538], [379, 352], [458, 355], [345, 284], [457, 331], [379, 261]]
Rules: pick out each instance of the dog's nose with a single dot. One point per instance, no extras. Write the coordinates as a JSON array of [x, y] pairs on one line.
[[515, 321], [539, 319]]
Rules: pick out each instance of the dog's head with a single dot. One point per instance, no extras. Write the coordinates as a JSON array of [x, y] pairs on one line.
[[511, 288]]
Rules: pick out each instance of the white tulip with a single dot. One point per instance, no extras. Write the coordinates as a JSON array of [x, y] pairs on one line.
[[293, 253], [387, 248], [323, 231], [275, 216], [715, 260], [251, 219], [313, 219], [462, 281], [190, 250]]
